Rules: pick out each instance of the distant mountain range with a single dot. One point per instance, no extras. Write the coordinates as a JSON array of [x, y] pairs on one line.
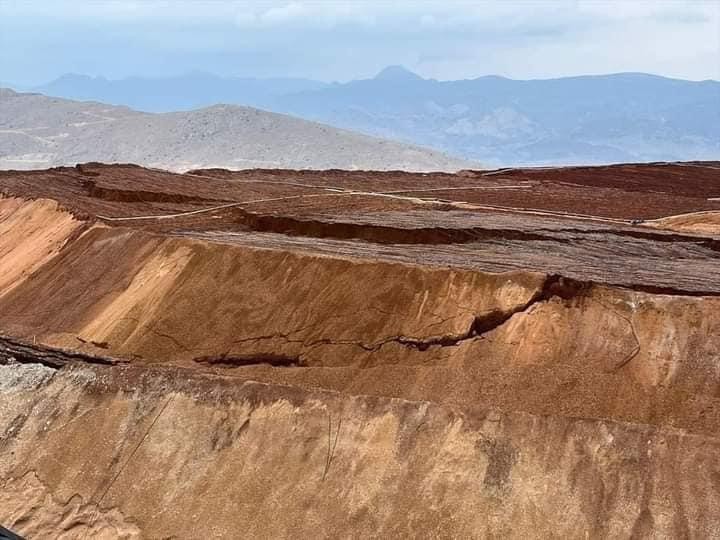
[[37, 131], [495, 120], [182, 93]]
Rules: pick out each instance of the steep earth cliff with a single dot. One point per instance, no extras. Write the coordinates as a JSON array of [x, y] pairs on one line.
[[281, 354]]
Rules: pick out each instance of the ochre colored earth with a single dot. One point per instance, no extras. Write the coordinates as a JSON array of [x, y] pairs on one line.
[[513, 353]]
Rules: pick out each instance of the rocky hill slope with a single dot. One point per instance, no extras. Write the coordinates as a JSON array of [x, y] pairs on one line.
[[39, 131], [620, 117], [515, 353]]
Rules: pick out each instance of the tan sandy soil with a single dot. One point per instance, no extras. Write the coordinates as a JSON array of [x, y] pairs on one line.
[[705, 223], [355, 360]]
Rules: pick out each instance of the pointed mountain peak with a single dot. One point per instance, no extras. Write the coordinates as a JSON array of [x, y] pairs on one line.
[[397, 73]]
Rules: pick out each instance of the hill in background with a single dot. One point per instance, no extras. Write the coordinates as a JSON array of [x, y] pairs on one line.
[[37, 131], [591, 119]]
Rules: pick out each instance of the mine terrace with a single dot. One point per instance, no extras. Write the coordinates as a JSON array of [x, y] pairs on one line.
[[535, 345]]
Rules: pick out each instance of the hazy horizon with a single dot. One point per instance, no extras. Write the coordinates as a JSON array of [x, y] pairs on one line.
[[583, 81], [346, 40], [199, 72]]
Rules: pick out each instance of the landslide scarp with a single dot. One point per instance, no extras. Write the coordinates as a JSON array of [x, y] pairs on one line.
[[136, 196], [231, 361], [350, 361], [518, 340]]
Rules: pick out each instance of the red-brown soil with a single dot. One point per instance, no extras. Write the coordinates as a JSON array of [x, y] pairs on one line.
[[494, 353]]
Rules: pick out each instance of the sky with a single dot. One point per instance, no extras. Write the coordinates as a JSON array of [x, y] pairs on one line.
[[339, 40]]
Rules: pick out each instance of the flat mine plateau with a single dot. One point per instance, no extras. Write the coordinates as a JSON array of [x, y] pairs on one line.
[[516, 353]]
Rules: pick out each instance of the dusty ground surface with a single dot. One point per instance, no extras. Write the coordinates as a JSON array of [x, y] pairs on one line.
[[514, 353]]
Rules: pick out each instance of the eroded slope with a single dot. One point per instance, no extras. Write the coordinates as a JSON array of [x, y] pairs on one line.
[[197, 456], [251, 343]]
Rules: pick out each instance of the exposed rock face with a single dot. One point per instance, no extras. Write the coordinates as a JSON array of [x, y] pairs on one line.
[[319, 349]]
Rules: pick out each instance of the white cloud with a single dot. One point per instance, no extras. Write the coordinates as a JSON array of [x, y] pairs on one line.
[[286, 13], [304, 14]]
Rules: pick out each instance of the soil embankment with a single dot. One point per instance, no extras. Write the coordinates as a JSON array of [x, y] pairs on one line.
[[361, 364], [131, 452]]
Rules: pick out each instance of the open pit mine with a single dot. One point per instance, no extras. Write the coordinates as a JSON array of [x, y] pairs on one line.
[[518, 353]]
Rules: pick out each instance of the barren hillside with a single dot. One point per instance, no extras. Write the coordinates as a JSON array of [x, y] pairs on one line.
[[513, 353], [38, 131]]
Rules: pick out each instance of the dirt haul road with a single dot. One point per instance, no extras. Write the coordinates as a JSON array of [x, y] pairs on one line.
[[525, 353]]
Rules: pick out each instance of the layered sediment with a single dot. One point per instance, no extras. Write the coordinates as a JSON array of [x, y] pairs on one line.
[[218, 347]]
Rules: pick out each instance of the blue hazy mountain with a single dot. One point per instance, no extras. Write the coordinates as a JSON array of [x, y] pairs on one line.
[[590, 119], [495, 120], [181, 93]]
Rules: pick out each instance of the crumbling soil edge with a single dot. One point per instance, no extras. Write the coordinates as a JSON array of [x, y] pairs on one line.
[[17, 350]]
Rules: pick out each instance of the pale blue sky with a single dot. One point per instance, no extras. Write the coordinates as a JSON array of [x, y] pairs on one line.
[[345, 39]]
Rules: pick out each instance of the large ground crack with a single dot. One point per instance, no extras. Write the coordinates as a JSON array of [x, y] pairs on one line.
[[112, 194], [380, 234], [16, 350], [553, 286], [230, 361]]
